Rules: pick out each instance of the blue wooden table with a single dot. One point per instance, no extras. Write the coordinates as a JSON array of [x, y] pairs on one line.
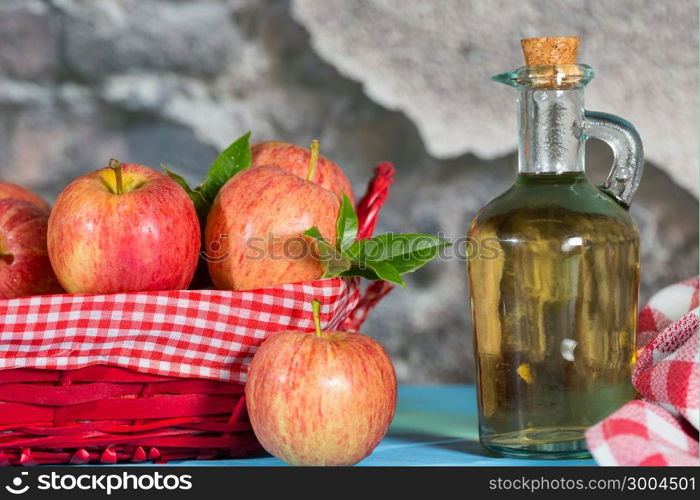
[[434, 425]]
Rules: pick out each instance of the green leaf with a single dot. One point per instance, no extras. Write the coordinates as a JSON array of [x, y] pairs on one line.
[[235, 158], [333, 262], [405, 252], [314, 233], [408, 252], [385, 257], [360, 270], [200, 203], [346, 226], [385, 271], [370, 273]]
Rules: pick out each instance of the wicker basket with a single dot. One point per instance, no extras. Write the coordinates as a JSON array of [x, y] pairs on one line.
[[90, 406], [106, 415]]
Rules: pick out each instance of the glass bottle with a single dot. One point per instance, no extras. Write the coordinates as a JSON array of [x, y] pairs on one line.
[[555, 277]]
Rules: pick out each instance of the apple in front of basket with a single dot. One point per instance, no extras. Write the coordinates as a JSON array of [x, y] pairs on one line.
[[320, 398]]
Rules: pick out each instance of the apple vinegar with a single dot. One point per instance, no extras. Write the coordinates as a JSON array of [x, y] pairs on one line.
[[554, 309], [554, 313]]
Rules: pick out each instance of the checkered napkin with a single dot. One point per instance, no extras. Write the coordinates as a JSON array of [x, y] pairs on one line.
[[209, 334], [660, 428]]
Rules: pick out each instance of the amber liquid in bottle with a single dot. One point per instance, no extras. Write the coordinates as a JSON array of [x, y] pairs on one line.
[[554, 329], [555, 274]]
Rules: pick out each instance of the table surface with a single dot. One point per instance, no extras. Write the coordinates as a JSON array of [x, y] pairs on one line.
[[434, 425]]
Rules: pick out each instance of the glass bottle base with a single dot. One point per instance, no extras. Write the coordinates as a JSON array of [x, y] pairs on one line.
[[554, 443]]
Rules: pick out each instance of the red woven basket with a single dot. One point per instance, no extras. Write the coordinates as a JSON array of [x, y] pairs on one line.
[[154, 376]]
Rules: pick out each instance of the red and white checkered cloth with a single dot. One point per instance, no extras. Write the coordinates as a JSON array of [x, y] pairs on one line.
[[661, 428], [208, 334]]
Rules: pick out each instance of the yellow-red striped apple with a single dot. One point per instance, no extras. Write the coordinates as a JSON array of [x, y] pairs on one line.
[[24, 262], [123, 228], [254, 232], [296, 159], [320, 398], [17, 192]]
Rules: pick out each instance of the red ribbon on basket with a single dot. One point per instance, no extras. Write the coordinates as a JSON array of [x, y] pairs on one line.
[[374, 199], [368, 214]]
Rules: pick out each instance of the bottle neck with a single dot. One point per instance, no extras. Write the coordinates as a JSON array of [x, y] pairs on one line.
[[551, 130]]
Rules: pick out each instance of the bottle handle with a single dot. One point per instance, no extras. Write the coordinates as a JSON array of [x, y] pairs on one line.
[[624, 140]]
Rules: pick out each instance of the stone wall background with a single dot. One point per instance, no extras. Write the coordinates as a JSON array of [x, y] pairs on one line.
[[152, 81], [431, 60]]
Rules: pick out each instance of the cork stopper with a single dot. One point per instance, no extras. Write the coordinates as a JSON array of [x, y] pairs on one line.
[[551, 61], [550, 50]]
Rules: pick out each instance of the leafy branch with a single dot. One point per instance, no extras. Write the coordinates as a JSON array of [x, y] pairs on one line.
[[384, 257]]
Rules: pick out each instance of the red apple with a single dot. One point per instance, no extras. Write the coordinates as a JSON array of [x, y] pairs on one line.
[[24, 262], [296, 160], [323, 398], [124, 228], [15, 191], [253, 236]]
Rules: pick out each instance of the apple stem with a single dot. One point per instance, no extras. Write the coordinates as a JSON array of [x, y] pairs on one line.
[[117, 167], [316, 308], [315, 147]]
